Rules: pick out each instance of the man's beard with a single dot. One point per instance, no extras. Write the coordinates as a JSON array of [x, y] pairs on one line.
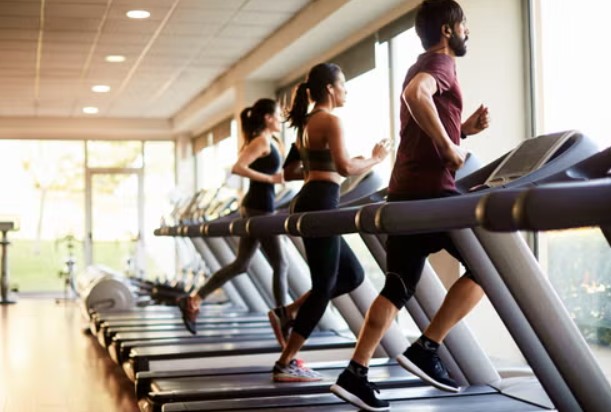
[[458, 45]]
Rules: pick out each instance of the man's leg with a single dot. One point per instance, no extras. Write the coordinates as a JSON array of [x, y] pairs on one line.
[[462, 297], [421, 358], [352, 384], [405, 264], [377, 321]]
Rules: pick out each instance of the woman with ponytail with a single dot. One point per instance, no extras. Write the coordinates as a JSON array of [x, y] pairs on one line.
[[259, 160], [321, 159]]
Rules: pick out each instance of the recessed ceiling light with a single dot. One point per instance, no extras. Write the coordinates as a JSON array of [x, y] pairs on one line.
[[90, 110], [138, 14], [100, 88], [115, 58]]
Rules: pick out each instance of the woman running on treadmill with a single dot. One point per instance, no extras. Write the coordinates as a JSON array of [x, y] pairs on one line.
[[259, 160], [320, 157]]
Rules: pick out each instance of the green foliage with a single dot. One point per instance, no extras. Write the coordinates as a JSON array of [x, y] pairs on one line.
[[580, 270], [35, 266]]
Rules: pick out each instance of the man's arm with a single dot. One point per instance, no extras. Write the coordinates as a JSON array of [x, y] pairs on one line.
[[418, 95], [478, 121]]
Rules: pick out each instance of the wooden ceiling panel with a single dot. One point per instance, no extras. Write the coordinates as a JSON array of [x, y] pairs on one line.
[[120, 26], [55, 3], [289, 6], [71, 24], [18, 57], [203, 31], [213, 4], [76, 10], [202, 16], [141, 4], [19, 22], [19, 9], [272, 19], [61, 36], [123, 41], [18, 35], [170, 58], [64, 49], [246, 31]]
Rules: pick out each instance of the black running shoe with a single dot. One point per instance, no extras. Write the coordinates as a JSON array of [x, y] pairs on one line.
[[189, 313], [359, 392], [428, 367]]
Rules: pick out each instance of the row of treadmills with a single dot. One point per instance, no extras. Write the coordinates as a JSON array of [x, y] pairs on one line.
[[554, 181]]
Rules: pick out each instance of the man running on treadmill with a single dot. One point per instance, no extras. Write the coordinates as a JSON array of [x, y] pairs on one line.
[[427, 159]]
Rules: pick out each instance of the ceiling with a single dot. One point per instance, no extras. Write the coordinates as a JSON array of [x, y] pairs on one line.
[[182, 64], [54, 52]]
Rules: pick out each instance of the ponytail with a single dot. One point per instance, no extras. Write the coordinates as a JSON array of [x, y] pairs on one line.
[[299, 108], [318, 78], [252, 118]]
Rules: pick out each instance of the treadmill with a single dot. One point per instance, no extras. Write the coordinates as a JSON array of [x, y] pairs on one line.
[[142, 357], [162, 311], [572, 147], [107, 325], [517, 288], [581, 196], [121, 340]]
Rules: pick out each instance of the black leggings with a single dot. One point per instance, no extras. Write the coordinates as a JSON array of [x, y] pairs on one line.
[[334, 268], [271, 245], [405, 258]]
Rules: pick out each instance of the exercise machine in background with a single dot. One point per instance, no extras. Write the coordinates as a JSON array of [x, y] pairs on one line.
[[6, 297]]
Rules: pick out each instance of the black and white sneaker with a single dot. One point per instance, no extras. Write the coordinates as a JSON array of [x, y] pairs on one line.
[[359, 392], [427, 366]]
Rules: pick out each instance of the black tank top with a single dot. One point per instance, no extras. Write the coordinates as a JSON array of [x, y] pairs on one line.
[[261, 195], [314, 159]]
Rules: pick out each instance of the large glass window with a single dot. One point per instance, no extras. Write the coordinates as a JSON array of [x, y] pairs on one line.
[[365, 117], [405, 49], [46, 192], [569, 64], [214, 162], [105, 154], [159, 181], [44, 188]]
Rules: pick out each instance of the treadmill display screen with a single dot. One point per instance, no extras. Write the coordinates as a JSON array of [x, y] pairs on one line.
[[529, 156]]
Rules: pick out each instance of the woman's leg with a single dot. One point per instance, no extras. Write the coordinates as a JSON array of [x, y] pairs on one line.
[[350, 272], [323, 259], [272, 246], [246, 248]]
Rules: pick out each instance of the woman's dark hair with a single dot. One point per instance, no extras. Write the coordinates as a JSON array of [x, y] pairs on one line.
[[316, 83], [432, 15], [253, 118]]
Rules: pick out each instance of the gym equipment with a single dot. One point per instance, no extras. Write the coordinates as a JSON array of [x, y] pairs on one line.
[[6, 296]]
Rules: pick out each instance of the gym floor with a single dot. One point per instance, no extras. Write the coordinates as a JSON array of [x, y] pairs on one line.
[[48, 364]]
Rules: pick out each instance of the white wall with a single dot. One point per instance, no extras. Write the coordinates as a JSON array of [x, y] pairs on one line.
[[493, 73]]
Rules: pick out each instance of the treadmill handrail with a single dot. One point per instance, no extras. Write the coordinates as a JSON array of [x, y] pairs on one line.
[[547, 208], [542, 206]]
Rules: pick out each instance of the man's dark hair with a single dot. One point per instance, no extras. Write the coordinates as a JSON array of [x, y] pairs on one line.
[[432, 15]]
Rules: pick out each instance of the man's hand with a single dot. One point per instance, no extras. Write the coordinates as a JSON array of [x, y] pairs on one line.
[[454, 157], [477, 122]]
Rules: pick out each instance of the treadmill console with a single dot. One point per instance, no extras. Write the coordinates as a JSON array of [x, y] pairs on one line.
[[529, 156]]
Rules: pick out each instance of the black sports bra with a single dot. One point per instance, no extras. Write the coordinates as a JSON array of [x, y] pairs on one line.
[[314, 159]]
